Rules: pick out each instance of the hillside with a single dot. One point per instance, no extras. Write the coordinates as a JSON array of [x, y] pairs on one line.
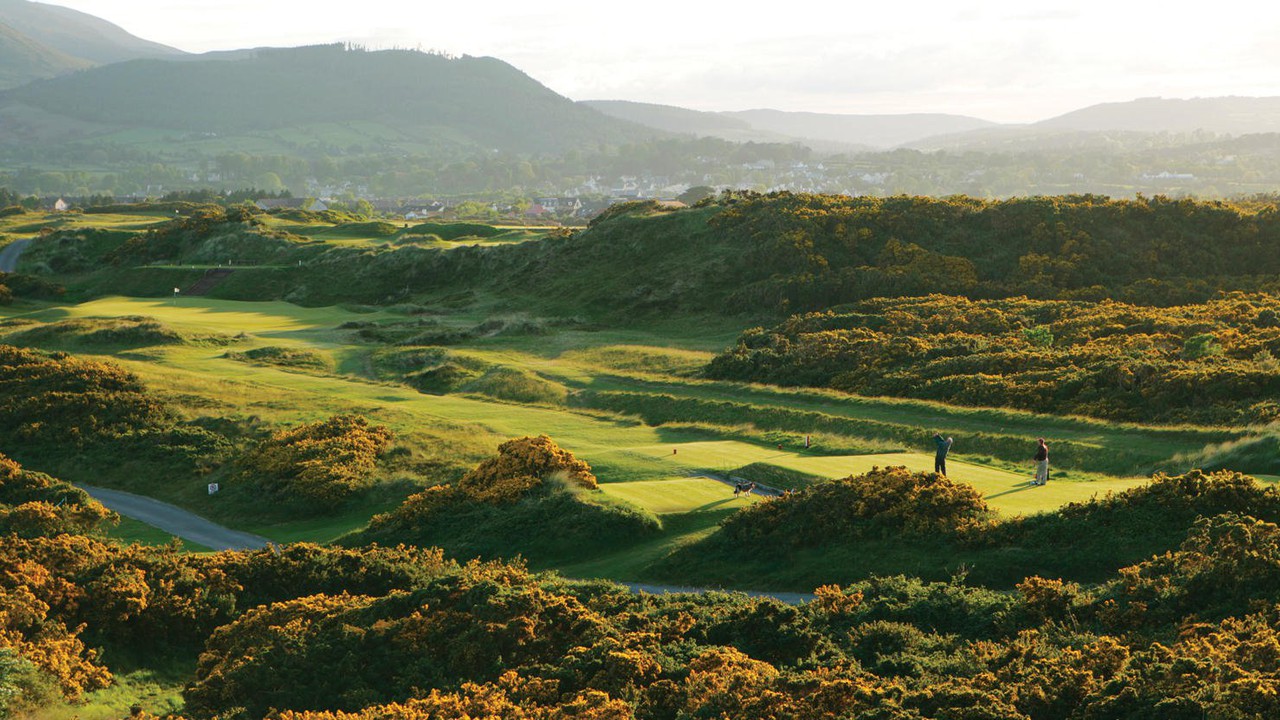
[[669, 118], [821, 131], [974, 595], [879, 131], [411, 95], [78, 34], [23, 59], [1227, 115], [1147, 124]]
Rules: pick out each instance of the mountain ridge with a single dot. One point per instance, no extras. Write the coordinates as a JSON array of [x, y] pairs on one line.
[[79, 34], [467, 100], [1092, 125], [23, 59]]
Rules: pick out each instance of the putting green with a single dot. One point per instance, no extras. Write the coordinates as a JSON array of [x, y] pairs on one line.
[[1007, 492], [679, 495]]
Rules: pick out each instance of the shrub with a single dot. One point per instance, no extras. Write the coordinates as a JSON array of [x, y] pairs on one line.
[[1103, 359], [882, 503], [34, 504], [1227, 563], [55, 399], [532, 499], [317, 465]]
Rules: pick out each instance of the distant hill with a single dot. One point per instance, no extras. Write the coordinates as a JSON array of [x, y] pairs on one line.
[[671, 118], [78, 34], [879, 131], [411, 96], [1143, 123], [1226, 115], [824, 132], [22, 59]]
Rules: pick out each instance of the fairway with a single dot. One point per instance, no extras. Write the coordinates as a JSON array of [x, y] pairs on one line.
[[208, 315]]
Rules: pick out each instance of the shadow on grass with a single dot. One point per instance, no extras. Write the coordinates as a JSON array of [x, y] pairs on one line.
[[1017, 489], [711, 506]]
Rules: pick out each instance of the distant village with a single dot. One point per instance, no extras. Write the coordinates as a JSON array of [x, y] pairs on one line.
[[911, 174]]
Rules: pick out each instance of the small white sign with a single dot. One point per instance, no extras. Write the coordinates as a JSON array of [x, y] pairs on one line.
[[213, 488]]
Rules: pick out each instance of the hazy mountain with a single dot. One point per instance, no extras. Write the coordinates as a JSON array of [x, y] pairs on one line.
[[1148, 123], [78, 34], [824, 132], [22, 59], [880, 131], [1225, 115], [396, 95], [671, 118]]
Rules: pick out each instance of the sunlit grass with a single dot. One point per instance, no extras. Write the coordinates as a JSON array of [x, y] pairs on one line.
[[644, 465]]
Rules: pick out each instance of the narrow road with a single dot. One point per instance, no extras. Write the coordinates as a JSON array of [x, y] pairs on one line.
[[10, 253], [175, 521]]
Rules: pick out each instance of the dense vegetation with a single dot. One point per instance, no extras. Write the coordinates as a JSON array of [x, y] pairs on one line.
[[1208, 363], [765, 255], [14, 286], [820, 251], [309, 632], [64, 589], [317, 465], [946, 527], [1157, 602], [96, 420], [532, 499]]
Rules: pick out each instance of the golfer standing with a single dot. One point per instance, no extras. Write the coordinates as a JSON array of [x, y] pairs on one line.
[[1042, 463], [943, 446]]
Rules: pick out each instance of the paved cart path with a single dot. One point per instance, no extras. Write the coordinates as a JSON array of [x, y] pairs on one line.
[[175, 521], [10, 253]]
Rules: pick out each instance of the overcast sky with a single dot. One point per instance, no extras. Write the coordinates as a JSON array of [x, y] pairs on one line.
[[1003, 60]]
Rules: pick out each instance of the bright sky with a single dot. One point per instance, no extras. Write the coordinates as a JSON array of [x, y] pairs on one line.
[[1002, 60]]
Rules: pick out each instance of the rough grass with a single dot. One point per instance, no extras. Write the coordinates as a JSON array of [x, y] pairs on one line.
[[520, 386], [286, 357], [131, 331], [157, 691]]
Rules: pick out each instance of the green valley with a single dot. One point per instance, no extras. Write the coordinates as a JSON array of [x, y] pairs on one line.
[[503, 421]]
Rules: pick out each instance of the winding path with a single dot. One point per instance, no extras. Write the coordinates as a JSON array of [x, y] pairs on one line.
[[10, 253], [175, 521]]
